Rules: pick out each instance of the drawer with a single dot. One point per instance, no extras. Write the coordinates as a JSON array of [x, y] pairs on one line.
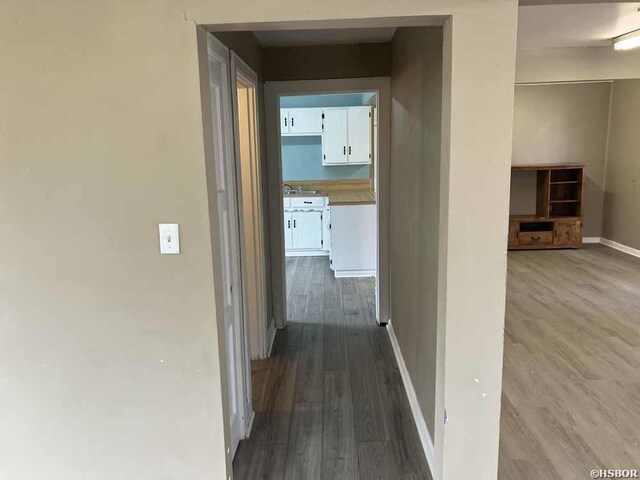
[[535, 238], [287, 202], [307, 202]]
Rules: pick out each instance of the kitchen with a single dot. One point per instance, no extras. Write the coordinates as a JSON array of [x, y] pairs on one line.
[[328, 168]]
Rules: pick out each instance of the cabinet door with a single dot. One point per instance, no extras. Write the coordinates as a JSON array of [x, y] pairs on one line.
[[513, 233], [567, 233], [284, 121], [359, 126], [307, 230], [334, 137], [326, 230], [288, 231], [307, 121]]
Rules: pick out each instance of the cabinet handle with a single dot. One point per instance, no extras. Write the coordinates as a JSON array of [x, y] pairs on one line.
[[535, 239], [344, 150], [292, 121], [294, 224], [349, 149], [308, 202], [285, 121], [288, 223]]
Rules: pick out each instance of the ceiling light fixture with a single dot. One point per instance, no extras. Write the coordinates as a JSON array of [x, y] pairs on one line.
[[627, 41]]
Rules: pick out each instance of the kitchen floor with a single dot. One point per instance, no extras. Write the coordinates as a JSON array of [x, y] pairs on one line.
[[571, 384], [330, 402]]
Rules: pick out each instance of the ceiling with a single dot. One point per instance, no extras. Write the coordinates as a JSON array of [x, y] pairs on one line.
[[577, 25], [280, 38]]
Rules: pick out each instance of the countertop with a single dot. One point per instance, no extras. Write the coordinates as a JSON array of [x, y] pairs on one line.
[[340, 192]]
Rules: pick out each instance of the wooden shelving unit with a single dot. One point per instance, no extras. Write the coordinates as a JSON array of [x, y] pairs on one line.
[[557, 222]]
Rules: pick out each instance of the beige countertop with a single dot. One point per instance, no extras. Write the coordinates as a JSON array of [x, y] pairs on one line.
[[340, 192]]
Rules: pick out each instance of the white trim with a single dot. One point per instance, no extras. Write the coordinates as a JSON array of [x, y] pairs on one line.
[[354, 273], [619, 246], [306, 253], [423, 431], [249, 423], [271, 336], [590, 239]]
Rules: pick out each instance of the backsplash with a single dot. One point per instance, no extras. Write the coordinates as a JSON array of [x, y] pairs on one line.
[[302, 160]]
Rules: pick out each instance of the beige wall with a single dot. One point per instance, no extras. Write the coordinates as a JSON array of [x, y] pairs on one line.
[[576, 64], [327, 61], [416, 116], [622, 197], [110, 352], [561, 123]]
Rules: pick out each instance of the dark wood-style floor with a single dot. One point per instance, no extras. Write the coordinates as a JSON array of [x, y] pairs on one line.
[[330, 403], [571, 384]]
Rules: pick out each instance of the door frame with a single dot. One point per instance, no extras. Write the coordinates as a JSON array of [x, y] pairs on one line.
[[257, 327], [207, 47], [273, 92]]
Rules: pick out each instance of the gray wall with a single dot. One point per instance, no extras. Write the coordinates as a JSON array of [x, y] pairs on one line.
[[622, 197], [562, 123], [327, 61], [416, 105]]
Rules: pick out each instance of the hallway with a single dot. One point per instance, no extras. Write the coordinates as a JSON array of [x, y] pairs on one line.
[[330, 402]]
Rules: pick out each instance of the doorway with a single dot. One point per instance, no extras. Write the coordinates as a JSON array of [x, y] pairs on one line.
[[291, 100]]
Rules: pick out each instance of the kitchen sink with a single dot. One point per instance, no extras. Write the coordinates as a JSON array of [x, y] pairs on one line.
[[299, 192]]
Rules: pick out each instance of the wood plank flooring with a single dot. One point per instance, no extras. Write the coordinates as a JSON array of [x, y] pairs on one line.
[[571, 385], [330, 402]]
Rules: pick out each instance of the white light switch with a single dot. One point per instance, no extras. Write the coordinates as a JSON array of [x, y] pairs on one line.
[[169, 238]]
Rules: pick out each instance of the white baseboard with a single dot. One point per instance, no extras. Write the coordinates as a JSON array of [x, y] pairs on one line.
[[619, 246], [271, 336], [303, 253], [423, 431], [591, 239], [354, 273], [249, 424]]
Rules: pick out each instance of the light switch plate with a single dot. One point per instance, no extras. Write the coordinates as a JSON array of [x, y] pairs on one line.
[[169, 238]]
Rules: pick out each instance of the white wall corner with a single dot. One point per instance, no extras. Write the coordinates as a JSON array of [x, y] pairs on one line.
[[418, 417], [619, 246]]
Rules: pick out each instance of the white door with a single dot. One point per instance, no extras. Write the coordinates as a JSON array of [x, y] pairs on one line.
[[284, 121], [223, 147], [334, 136], [307, 230], [288, 231], [305, 121], [359, 127]]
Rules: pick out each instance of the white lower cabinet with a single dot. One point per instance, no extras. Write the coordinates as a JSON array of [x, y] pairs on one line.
[[307, 230], [304, 227], [288, 231], [353, 240]]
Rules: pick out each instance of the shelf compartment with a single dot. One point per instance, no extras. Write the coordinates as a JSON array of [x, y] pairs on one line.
[[566, 175], [564, 191], [564, 209]]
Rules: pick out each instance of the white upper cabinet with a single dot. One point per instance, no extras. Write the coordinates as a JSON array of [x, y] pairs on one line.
[[347, 136], [334, 137], [359, 126], [301, 121]]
